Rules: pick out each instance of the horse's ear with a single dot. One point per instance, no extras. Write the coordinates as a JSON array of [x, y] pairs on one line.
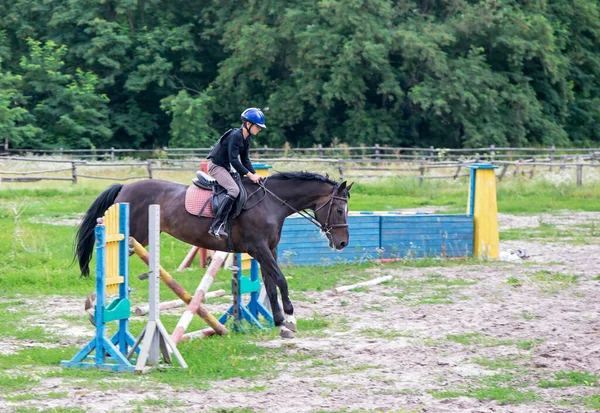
[[341, 188], [326, 175], [349, 187]]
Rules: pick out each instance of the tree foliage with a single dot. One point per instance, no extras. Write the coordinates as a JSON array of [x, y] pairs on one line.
[[453, 73]]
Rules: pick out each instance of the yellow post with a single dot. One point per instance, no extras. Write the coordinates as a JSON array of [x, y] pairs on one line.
[[111, 223], [261, 169], [484, 209]]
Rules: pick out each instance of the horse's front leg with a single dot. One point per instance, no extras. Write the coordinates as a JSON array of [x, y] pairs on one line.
[[271, 274], [288, 307]]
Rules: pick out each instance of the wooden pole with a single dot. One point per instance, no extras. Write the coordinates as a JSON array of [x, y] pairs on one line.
[[369, 283], [178, 289], [143, 309]]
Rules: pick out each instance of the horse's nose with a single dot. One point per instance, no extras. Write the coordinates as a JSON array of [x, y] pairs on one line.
[[343, 244]]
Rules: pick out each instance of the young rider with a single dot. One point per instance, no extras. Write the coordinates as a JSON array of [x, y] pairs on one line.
[[232, 149]]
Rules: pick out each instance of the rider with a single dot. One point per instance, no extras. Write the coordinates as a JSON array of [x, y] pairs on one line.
[[232, 150]]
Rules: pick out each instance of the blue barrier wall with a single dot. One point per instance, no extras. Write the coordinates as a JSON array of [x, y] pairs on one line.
[[427, 236], [375, 236]]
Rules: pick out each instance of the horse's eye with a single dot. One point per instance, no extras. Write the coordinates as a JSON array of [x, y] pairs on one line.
[[340, 211]]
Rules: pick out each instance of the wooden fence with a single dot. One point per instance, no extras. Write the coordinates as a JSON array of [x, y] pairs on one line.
[[17, 169], [376, 153]]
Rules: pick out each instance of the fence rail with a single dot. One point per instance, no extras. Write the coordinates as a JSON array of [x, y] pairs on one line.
[[421, 169], [376, 152]]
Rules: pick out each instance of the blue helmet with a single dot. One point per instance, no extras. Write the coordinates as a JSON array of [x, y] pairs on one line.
[[254, 115]]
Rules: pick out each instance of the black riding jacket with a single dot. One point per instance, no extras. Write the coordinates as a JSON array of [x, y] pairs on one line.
[[232, 149]]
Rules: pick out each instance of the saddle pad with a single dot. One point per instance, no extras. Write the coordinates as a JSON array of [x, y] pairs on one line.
[[195, 198]]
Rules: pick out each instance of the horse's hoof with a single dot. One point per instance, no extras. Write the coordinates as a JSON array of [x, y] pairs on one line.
[[290, 322], [290, 325], [285, 332]]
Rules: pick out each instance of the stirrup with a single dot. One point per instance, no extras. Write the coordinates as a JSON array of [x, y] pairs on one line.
[[212, 232], [220, 232]]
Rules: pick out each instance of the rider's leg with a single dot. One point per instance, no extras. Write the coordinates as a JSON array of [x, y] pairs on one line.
[[224, 178], [217, 229]]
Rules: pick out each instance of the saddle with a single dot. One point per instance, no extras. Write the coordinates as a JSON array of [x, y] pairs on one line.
[[205, 181]]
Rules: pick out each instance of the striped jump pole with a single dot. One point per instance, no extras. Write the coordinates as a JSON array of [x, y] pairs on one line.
[[141, 252], [199, 295]]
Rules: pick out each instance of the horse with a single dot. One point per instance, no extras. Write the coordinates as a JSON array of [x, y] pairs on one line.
[[256, 230]]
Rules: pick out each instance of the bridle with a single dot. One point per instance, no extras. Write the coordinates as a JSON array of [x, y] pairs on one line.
[[326, 228]]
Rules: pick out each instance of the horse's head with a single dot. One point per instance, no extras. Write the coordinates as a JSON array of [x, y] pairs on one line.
[[332, 213]]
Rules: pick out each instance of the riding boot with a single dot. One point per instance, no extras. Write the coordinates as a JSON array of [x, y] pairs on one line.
[[217, 229]]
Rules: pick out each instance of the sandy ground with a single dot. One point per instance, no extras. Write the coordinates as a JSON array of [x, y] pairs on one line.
[[392, 353]]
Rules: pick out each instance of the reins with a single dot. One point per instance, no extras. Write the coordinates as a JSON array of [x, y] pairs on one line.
[[323, 227]]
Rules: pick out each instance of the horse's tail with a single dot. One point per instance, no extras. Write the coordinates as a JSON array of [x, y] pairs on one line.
[[85, 238]]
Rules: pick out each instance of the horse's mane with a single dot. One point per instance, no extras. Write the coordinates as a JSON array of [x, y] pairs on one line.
[[303, 176]]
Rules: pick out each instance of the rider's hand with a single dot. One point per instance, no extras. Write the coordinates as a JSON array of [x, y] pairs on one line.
[[254, 177]]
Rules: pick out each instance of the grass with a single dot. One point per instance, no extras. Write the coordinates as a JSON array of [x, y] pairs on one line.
[[578, 234], [14, 383], [548, 281], [592, 402], [387, 334], [484, 340], [498, 363], [478, 339], [571, 379], [529, 316], [503, 395], [433, 290], [553, 282], [505, 387]]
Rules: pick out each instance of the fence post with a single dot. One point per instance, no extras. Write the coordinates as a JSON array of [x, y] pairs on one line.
[[579, 174], [532, 169], [431, 153], [457, 172], [6, 144], [341, 169], [149, 167], [552, 153], [492, 152], [504, 169], [321, 153], [112, 154], [74, 172], [422, 171], [377, 151]]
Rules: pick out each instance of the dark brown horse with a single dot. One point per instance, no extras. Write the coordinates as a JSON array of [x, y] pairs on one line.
[[256, 230]]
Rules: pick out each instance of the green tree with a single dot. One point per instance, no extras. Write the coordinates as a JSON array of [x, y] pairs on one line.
[[191, 117], [14, 118], [450, 73], [66, 106]]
